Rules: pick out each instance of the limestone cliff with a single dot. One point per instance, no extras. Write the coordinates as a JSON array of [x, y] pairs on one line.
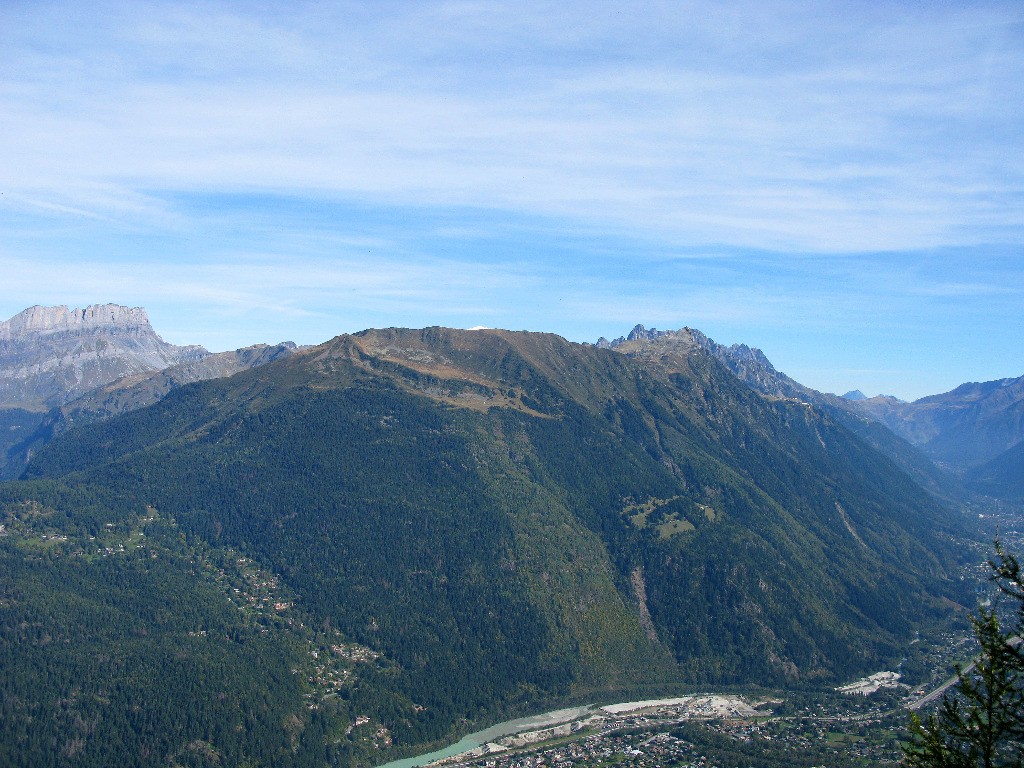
[[51, 355]]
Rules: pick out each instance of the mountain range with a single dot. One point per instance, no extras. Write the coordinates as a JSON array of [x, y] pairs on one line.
[[61, 366], [962, 441], [51, 355], [333, 554]]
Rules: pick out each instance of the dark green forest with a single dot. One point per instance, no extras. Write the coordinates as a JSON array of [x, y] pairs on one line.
[[380, 542]]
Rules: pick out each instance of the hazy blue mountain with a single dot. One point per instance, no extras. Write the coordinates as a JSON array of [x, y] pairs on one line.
[[1001, 477], [120, 396], [962, 428]]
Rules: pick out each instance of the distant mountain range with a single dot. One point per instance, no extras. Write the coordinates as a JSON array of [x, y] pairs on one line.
[[976, 430], [970, 435], [963, 428], [340, 553], [61, 366], [51, 355]]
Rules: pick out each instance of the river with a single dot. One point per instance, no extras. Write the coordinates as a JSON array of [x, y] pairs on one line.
[[474, 740]]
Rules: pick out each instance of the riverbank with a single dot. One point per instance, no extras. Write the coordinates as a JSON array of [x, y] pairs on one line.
[[515, 734], [477, 740]]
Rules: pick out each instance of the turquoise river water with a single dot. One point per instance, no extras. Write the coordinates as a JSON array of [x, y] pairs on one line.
[[474, 740]]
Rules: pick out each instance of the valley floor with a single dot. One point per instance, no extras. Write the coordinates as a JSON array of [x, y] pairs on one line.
[[857, 725], [837, 730]]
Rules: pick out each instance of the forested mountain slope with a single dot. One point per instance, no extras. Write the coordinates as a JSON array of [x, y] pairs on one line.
[[502, 519], [1001, 477], [861, 416], [30, 431]]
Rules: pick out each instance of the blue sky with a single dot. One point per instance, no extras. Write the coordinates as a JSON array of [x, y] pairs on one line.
[[839, 184]]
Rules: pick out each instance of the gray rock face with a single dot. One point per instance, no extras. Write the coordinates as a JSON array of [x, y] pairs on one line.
[[749, 364], [27, 432], [50, 321], [51, 355]]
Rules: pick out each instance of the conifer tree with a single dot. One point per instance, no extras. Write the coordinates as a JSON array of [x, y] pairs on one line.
[[981, 724]]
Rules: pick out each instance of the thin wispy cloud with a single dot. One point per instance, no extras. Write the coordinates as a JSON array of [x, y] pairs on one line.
[[823, 147], [803, 159]]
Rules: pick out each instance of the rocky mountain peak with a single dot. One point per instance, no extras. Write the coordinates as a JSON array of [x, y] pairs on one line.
[[44, 321], [639, 332], [748, 363], [642, 334], [51, 355]]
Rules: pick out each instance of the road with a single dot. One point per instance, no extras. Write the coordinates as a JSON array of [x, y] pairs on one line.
[[929, 698]]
